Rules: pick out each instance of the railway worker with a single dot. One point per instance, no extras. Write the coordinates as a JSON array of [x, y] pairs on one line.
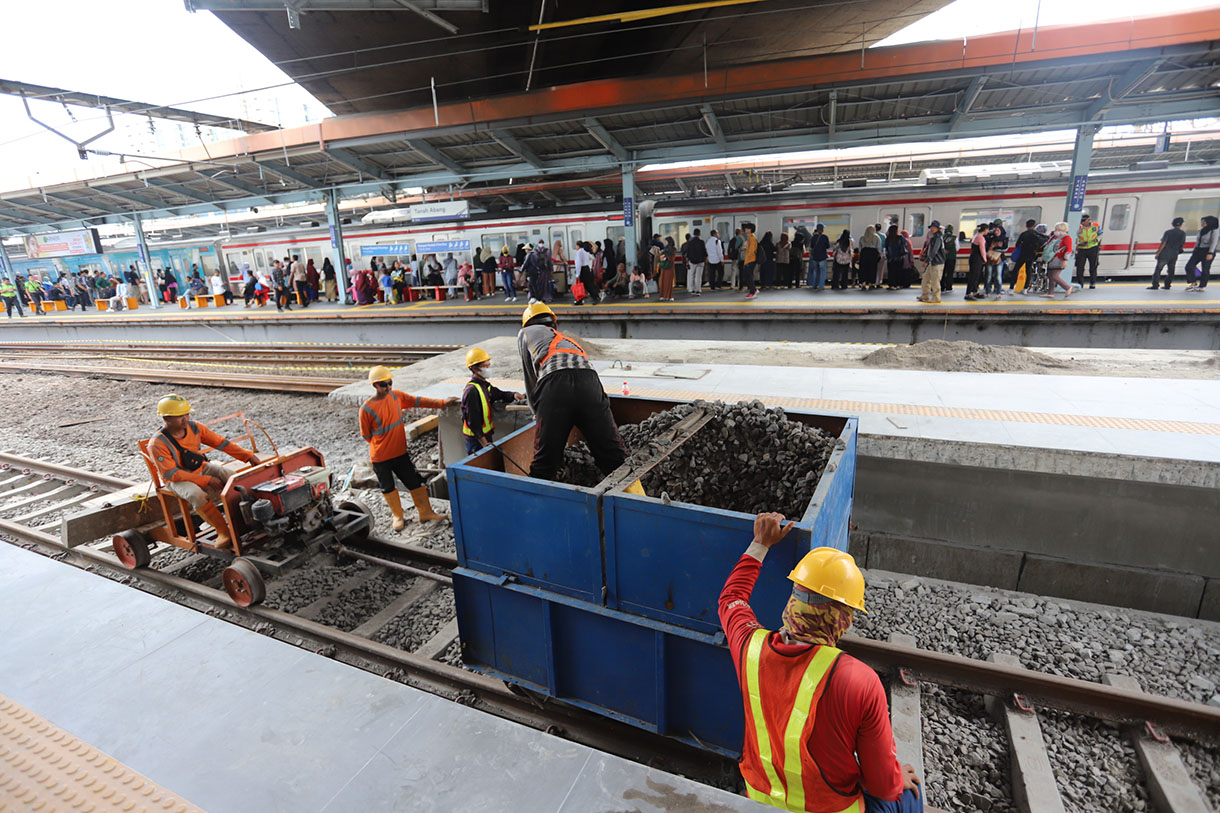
[[381, 425], [478, 398], [175, 450], [1172, 243], [564, 391], [1088, 246], [842, 758], [12, 299]]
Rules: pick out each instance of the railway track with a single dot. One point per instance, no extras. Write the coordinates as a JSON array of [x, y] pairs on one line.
[[409, 578]]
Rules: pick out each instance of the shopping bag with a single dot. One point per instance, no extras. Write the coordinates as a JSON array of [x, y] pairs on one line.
[[578, 290]]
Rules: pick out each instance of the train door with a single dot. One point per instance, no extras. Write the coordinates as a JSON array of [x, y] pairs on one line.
[[912, 219], [1117, 230], [561, 234]]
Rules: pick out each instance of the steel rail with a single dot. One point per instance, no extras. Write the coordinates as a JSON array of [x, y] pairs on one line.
[[281, 383], [230, 347], [64, 472]]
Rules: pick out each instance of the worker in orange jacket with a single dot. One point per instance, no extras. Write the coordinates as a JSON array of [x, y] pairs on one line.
[[185, 470], [381, 424]]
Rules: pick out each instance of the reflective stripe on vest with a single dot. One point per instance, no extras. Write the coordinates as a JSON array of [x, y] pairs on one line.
[[488, 426], [555, 349], [793, 798]]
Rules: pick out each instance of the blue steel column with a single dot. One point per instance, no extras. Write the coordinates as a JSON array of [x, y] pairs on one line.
[[630, 245], [1078, 182], [146, 263], [5, 266], [336, 243]]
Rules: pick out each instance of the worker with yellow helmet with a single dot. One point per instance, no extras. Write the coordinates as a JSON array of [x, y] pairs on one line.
[[382, 426], [565, 392], [478, 399], [185, 470], [818, 736]]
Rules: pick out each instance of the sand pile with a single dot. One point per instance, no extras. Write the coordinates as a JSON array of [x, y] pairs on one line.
[[965, 357]]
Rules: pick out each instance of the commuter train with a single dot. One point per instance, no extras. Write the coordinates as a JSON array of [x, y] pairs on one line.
[[1134, 209]]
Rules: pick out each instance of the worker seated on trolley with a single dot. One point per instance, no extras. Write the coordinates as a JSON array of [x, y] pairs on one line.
[[841, 757], [477, 400], [185, 470]]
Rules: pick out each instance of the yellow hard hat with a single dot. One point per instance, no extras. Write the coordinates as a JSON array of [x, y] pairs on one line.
[[537, 309], [831, 573], [476, 355], [379, 373], [173, 405]]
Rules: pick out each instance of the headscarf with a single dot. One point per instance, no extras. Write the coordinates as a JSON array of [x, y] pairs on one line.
[[812, 618]]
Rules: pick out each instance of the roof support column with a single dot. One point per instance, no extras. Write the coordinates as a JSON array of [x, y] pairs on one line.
[[336, 243], [5, 266], [1078, 181], [630, 245], [146, 263]]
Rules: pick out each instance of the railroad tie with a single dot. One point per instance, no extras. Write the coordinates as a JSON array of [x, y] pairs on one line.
[[1169, 784], [906, 717], [1034, 789]]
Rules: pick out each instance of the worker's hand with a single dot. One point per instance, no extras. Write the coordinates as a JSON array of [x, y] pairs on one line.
[[910, 781], [769, 529], [254, 460], [518, 397], [451, 401], [216, 483]]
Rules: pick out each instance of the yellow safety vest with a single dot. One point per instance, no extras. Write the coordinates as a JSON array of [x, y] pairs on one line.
[[488, 426]]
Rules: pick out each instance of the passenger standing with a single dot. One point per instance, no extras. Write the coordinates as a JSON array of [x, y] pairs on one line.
[[1172, 243], [1027, 250], [1200, 263], [665, 275], [159, 279], [171, 284], [766, 260], [796, 259], [992, 278], [488, 269], [840, 756], [297, 281], [505, 266], [870, 259], [933, 256], [83, 295], [280, 279], [478, 398], [451, 273], [535, 273], [1088, 247], [715, 261], [559, 265], [783, 260], [583, 263], [312, 279], [978, 257], [33, 292], [819, 256], [330, 281], [1055, 253], [8, 292], [895, 259], [733, 254], [749, 259], [696, 256], [843, 249]]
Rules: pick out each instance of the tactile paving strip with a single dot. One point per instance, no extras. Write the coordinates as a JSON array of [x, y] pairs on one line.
[[43, 768]]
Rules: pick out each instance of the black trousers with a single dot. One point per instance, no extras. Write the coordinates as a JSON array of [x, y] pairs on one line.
[[946, 276], [401, 467], [747, 277], [573, 398], [838, 275], [11, 302], [1168, 262], [1198, 260], [1089, 256], [302, 290], [973, 277], [715, 275]]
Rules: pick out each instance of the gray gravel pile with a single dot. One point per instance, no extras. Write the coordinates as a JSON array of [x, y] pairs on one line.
[[747, 458], [415, 626], [966, 760], [1204, 765], [453, 655], [351, 609], [304, 585], [434, 535], [1095, 768], [202, 570]]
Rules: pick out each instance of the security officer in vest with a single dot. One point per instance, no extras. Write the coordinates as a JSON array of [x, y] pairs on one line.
[[478, 399], [818, 735], [564, 391], [185, 470], [8, 292]]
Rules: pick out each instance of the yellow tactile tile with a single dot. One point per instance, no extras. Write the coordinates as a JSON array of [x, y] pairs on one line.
[[43, 768]]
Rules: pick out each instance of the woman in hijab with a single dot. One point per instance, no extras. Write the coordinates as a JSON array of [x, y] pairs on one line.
[[487, 267], [895, 252], [946, 276], [665, 282], [311, 280], [1055, 254], [520, 254], [841, 260], [328, 279], [1200, 263], [766, 260], [505, 265], [870, 259], [247, 284]]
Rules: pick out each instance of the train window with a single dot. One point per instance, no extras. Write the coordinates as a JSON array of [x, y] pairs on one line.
[[805, 223], [894, 219], [1120, 215], [258, 260], [1192, 210], [834, 224], [494, 242], [1013, 218], [577, 236], [724, 229], [1094, 212], [615, 233], [677, 229], [915, 223]]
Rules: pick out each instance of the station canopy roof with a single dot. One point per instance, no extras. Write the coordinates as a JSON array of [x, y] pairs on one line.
[[567, 143]]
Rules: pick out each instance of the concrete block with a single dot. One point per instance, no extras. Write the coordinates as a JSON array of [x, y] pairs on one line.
[[1209, 607], [1157, 591], [1033, 781], [1172, 789], [857, 546], [905, 716], [940, 560]]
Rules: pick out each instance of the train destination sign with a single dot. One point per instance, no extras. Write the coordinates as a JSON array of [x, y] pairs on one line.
[[390, 250], [443, 247]]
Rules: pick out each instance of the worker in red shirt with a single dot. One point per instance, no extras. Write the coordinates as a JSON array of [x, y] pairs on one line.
[[817, 733], [381, 424], [185, 470]]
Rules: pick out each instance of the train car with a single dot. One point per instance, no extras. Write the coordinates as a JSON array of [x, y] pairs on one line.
[[179, 256], [1134, 209]]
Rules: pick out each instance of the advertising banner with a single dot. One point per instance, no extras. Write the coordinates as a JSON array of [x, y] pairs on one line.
[[62, 244], [440, 210]]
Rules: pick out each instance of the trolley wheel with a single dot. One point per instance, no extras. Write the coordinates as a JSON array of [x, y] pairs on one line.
[[132, 549], [244, 583], [357, 507]]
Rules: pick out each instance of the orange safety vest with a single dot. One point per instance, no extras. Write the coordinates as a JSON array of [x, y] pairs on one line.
[[775, 760], [555, 349]]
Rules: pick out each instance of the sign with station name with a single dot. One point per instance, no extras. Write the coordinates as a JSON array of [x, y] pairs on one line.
[[442, 247], [63, 244], [388, 250], [628, 212], [440, 210]]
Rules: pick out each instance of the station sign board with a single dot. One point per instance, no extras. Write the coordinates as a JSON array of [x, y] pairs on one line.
[[388, 250], [440, 210], [1079, 184], [443, 247], [63, 244], [628, 212]]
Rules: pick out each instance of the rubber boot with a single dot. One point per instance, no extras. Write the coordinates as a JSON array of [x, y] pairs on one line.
[[424, 506], [212, 514], [395, 502]]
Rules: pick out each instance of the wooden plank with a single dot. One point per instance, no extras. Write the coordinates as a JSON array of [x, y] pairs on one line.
[[108, 514], [422, 426], [906, 714], [1034, 789], [1171, 787]]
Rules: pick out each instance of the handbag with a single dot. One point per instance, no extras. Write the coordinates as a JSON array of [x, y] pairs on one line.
[[578, 290], [652, 286], [993, 257]]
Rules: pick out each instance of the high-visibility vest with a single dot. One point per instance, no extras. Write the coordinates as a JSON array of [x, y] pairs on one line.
[[488, 426], [775, 760], [555, 349], [7, 289]]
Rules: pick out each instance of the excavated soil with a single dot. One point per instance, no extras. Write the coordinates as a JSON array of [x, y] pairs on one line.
[[966, 357]]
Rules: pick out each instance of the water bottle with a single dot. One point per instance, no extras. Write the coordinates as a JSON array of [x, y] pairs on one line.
[[626, 389]]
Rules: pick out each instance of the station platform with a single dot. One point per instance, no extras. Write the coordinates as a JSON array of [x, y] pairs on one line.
[[1116, 314], [224, 719]]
